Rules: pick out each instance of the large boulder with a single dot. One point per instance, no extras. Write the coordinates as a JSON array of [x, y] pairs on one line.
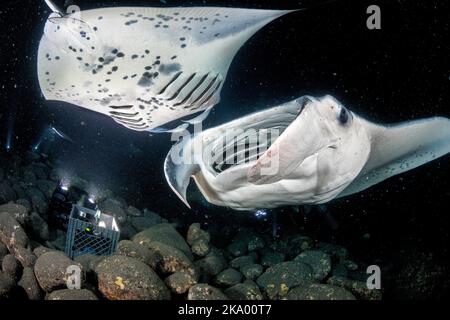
[[357, 288], [277, 280], [132, 249], [47, 187], [114, 208], [7, 285], [19, 212], [125, 278], [203, 291], [196, 233], [12, 233], [212, 264], [319, 261], [51, 270], [163, 233], [29, 284], [248, 290], [67, 294], [143, 223], [181, 282], [228, 277], [173, 259], [3, 251], [7, 193], [11, 266], [317, 291], [38, 200], [38, 226]]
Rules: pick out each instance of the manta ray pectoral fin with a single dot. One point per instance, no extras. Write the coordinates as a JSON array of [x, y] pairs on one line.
[[53, 7], [396, 149], [179, 167]]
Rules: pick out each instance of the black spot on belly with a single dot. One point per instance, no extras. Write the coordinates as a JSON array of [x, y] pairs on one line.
[[115, 68], [148, 68], [134, 56], [129, 23], [169, 68], [183, 46], [114, 51]]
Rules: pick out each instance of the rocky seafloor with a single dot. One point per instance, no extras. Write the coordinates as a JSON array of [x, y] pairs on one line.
[[157, 258]]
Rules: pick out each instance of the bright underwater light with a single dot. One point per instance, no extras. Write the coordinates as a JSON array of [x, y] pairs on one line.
[[260, 213]]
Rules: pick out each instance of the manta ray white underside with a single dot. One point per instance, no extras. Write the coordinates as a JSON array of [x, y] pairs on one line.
[[308, 151], [143, 66]]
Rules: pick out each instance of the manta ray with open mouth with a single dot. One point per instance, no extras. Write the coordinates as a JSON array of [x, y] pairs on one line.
[[143, 66], [307, 151]]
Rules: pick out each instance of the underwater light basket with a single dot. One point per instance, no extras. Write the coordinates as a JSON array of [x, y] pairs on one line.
[[87, 234]]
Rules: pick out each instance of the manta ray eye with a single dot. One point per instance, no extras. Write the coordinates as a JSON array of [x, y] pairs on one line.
[[343, 116]]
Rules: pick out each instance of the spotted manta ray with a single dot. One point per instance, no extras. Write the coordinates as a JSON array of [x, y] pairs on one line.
[[144, 67], [308, 151]]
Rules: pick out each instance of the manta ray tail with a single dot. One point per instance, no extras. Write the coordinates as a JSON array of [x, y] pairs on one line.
[[399, 148]]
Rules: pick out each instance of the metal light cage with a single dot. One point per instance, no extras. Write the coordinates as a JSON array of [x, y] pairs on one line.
[[88, 235]]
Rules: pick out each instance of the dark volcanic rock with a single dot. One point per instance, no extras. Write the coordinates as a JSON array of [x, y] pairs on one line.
[[38, 226], [141, 253], [248, 290], [25, 256], [143, 223], [163, 233], [252, 271], [38, 200], [11, 266], [39, 251], [316, 291], [357, 288], [180, 282], [319, 261], [30, 285], [11, 233], [51, 270], [3, 251], [125, 278], [67, 294], [7, 284], [114, 208], [47, 187], [212, 264], [89, 262], [19, 212], [239, 246], [25, 203], [134, 212], [277, 280], [271, 258], [7, 193], [228, 277], [204, 291], [255, 242], [196, 233], [239, 262], [173, 259], [200, 247]]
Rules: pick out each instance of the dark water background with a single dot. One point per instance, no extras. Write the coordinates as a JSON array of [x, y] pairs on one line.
[[398, 73]]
